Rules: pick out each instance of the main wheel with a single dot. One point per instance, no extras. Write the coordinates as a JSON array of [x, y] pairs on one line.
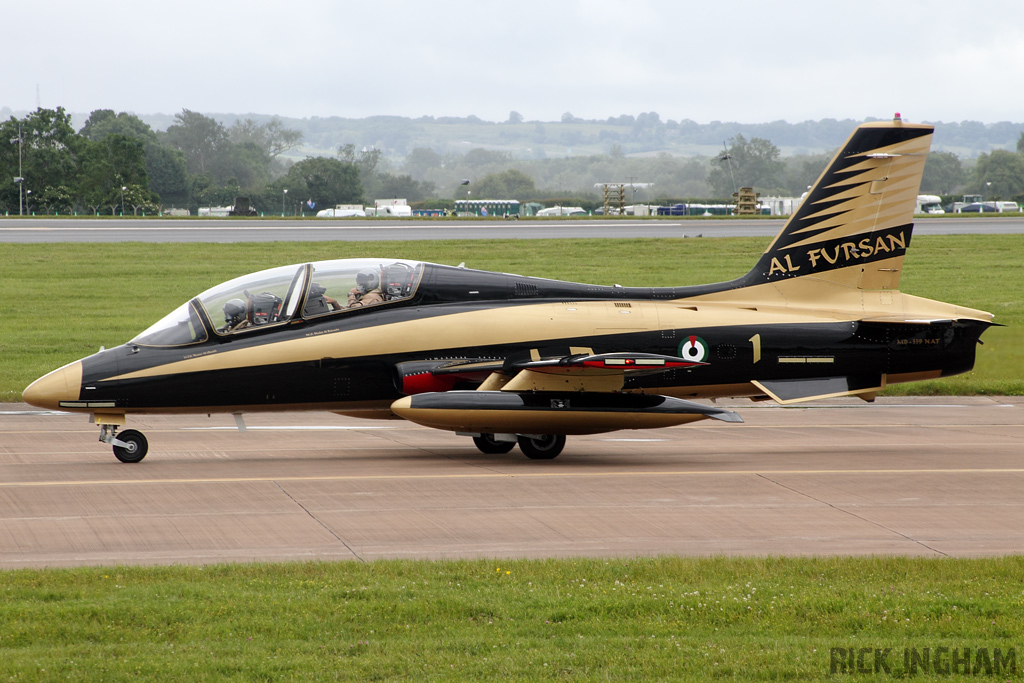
[[488, 444], [136, 448], [543, 447]]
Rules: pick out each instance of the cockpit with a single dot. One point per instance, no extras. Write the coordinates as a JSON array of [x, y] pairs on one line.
[[285, 294]]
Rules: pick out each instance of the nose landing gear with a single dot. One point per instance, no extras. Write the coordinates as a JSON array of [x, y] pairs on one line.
[[129, 446]]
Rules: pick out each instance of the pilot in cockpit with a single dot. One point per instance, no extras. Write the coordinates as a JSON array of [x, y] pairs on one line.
[[367, 290], [234, 316]]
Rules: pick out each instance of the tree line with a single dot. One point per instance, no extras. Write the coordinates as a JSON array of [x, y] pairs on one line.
[[756, 163], [646, 133], [117, 164]]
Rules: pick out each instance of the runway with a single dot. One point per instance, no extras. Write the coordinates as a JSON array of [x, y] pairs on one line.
[[904, 476], [41, 229]]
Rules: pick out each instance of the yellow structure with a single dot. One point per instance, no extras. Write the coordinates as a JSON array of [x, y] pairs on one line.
[[746, 202]]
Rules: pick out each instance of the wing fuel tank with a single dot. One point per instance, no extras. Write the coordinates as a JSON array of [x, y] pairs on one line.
[[551, 413]]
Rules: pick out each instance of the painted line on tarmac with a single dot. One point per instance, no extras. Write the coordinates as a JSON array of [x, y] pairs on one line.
[[875, 406], [500, 475], [284, 428], [635, 440]]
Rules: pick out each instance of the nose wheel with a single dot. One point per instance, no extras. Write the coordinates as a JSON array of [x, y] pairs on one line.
[[129, 446]]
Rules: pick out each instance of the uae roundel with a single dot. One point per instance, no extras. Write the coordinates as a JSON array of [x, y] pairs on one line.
[[693, 349]]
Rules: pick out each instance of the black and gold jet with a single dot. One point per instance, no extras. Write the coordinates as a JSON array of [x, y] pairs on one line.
[[506, 359]]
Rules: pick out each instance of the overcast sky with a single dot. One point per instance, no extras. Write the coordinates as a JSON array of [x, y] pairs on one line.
[[743, 61]]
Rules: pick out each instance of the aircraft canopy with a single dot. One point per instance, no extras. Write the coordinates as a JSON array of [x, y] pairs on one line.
[[287, 293]]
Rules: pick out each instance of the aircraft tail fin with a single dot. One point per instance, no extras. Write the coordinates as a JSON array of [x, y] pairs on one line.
[[854, 225]]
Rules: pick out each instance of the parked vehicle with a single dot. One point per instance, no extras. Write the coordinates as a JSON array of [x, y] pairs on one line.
[[242, 207], [562, 211]]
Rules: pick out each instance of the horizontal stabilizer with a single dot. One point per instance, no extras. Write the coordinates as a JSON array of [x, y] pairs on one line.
[[798, 390], [551, 412]]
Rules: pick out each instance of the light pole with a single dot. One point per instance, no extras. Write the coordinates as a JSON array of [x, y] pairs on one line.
[[21, 199], [468, 193], [123, 188], [20, 180], [283, 195], [28, 200]]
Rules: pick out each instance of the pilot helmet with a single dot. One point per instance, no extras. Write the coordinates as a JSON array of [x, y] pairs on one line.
[[234, 311], [367, 279]]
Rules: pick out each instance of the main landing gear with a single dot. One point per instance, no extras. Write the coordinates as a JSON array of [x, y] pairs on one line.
[[533, 446], [129, 446], [486, 443]]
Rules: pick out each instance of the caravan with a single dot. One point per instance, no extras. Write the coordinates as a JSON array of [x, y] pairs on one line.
[[929, 203], [389, 207], [342, 211]]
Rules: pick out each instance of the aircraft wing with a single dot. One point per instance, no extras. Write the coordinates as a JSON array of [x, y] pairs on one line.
[[626, 363], [588, 372], [575, 394], [605, 372]]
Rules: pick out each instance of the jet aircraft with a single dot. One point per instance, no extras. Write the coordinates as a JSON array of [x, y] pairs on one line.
[[510, 359]]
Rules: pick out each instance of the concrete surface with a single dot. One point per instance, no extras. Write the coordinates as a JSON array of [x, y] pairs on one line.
[[923, 476]]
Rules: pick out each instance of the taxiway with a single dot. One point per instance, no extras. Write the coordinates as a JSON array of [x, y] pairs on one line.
[[903, 476], [42, 229]]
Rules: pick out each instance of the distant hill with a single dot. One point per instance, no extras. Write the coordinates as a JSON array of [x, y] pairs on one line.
[[643, 135]]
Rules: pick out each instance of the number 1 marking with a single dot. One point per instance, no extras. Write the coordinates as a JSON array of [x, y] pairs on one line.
[[756, 340]]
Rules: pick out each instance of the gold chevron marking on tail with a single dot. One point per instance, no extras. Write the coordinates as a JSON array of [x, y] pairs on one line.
[[856, 222]]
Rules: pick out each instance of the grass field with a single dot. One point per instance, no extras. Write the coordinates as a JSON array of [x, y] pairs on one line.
[[63, 301], [566, 620], [560, 620]]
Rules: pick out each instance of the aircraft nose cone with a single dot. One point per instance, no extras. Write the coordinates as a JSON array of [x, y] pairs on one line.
[[63, 384]]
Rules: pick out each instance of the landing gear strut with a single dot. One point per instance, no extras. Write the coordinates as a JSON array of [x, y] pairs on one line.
[[129, 446]]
